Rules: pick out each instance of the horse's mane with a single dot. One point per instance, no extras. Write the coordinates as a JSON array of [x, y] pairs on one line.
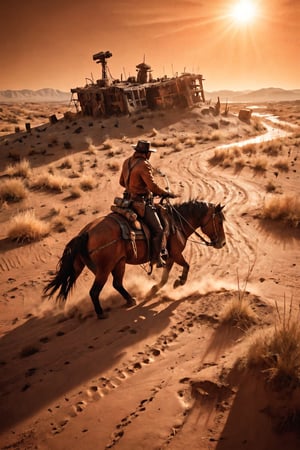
[[191, 207]]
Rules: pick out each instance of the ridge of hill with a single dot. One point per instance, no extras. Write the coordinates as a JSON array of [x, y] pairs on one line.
[[270, 94], [29, 95]]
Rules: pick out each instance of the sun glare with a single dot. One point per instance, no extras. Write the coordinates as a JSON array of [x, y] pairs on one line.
[[243, 12]]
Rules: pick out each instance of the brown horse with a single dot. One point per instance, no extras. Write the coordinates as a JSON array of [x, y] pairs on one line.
[[102, 248]]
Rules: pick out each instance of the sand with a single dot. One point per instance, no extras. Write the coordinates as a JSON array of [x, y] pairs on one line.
[[163, 374]]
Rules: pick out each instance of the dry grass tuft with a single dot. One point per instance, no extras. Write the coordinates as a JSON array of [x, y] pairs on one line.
[[239, 312], [270, 187], [51, 182], [12, 190], [114, 167], [272, 148], [59, 224], [20, 169], [66, 163], [75, 192], [228, 157], [92, 149], [259, 164], [282, 207], [277, 350], [87, 183], [107, 145], [249, 149], [282, 164], [26, 227]]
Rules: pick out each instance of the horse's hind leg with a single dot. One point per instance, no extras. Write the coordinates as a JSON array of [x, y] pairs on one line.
[[118, 274], [95, 292]]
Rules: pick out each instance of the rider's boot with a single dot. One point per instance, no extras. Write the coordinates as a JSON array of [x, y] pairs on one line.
[[157, 257]]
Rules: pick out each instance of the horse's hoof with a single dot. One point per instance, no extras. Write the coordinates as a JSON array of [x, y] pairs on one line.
[[154, 289], [102, 316], [130, 303], [177, 283]]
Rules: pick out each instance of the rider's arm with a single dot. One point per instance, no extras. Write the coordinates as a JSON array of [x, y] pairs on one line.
[[147, 176]]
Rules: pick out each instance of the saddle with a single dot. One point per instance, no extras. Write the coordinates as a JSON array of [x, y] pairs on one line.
[[133, 228]]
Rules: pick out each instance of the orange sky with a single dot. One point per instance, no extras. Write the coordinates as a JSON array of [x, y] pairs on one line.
[[51, 43]]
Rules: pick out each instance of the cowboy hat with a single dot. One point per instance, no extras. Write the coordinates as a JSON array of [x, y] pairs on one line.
[[143, 147]]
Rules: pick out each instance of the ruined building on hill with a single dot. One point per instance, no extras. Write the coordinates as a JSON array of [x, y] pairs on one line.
[[107, 97]]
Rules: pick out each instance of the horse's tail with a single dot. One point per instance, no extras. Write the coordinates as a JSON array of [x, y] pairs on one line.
[[64, 278]]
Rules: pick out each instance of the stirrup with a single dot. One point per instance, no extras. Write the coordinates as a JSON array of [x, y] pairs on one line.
[[160, 263]]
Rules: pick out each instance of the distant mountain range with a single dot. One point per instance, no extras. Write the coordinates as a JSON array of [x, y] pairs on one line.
[[261, 95], [28, 95], [55, 95]]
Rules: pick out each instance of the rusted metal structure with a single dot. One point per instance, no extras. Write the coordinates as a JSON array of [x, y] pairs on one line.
[[114, 97]]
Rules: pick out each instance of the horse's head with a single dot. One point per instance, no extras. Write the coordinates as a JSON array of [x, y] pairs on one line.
[[212, 225]]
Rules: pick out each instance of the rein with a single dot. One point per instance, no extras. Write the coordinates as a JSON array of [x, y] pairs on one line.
[[97, 249], [205, 242]]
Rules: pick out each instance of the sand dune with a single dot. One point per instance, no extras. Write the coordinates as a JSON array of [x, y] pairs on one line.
[[163, 374]]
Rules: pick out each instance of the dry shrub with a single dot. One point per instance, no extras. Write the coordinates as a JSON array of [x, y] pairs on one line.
[[159, 142], [74, 174], [218, 157], [225, 157], [12, 190], [238, 312], [257, 123], [282, 207], [75, 192], [216, 135], [26, 227], [59, 224], [277, 350], [67, 145], [55, 211], [282, 164], [107, 144], [51, 182], [190, 142], [272, 148], [92, 149], [249, 149], [239, 163], [114, 167], [87, 183], [171, 141], [20, 169], [153, 133], [270, 187], [260, 164], [178, 147], [66, 163]]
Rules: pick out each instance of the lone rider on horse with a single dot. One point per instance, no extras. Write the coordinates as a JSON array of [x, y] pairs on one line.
[[138, 181]]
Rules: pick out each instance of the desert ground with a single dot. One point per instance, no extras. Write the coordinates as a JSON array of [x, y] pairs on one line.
[[175, 370]]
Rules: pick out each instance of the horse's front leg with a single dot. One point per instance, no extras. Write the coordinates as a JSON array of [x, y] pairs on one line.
[[186, 267], [164, 277], [118, 274]]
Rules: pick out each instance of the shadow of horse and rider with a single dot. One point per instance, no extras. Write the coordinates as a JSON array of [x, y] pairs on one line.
[[107, 244]]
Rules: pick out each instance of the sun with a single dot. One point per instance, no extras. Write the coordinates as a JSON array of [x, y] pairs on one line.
[[243, 12]]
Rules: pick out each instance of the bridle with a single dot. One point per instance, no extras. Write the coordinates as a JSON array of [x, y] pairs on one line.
[[204, 241], [213, 218]]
